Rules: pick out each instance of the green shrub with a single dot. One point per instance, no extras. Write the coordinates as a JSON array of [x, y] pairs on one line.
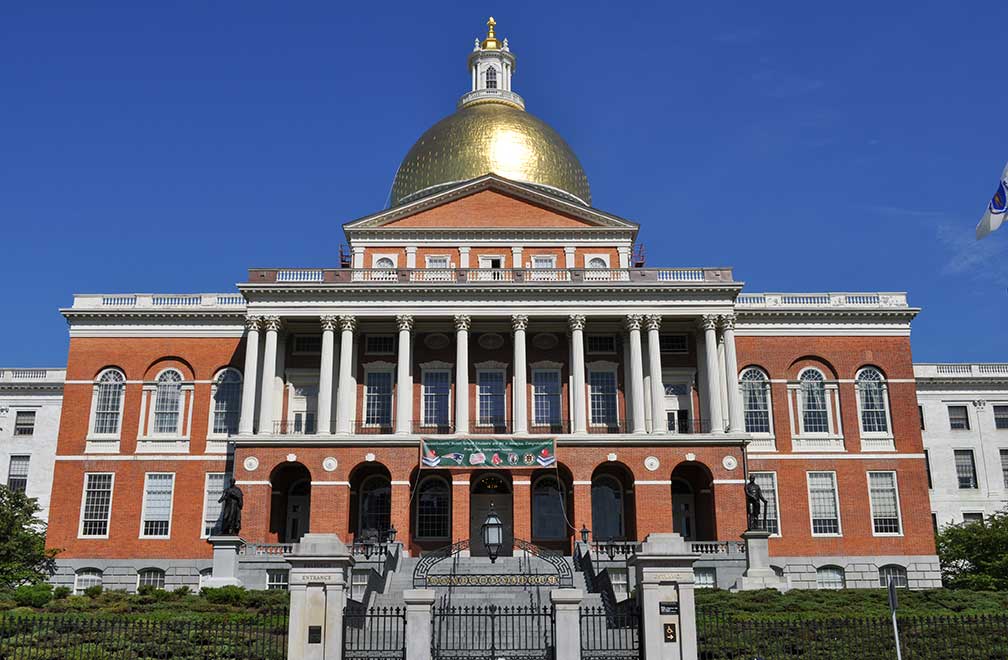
[[59, 593], [229, 595], [146, 590], [93, 592], [33, 595], [181, 591]]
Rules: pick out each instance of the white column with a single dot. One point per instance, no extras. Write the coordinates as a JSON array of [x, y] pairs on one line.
[[569, 257], [345, 394], [709, 325], [462, 372], [659, 420], [633, 325], [358, 257], [463, 257], [411, 256], [580, 421], [519, 389], [736, 419], [624, 257], [325, 385], [418, 632], [247, 420], [272, 325], [722, 385], [567, 626], [516, 258], [404, 393]]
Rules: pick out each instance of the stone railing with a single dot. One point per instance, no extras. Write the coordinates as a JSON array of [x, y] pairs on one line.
[[494, 94], [265, 549], [32, 375], [961, 370], [718, 548], [489, 275], [130, 301], [818, 300]]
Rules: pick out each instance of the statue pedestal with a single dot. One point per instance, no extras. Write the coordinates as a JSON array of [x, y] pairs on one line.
[[225, 561], [320, 564], [665, 580], [758, 574]]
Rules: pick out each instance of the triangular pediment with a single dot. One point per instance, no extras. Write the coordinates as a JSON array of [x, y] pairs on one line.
[[489, 203]]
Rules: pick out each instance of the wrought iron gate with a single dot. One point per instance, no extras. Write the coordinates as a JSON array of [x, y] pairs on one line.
[[492, 632], [378, 633], [611, 633]]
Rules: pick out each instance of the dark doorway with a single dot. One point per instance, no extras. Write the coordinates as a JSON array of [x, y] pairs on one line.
[[486, 489], [290, 513]]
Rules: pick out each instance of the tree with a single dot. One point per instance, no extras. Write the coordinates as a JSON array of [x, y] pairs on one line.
[[24, 558], [974, 555]]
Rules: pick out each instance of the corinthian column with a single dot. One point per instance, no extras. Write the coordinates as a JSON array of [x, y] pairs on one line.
[[519, 396], [247, 420], [713, 379], [345, 395], [325, 386], [272, 325], [633, 325], [659, 419], [462, 373], [736, 422], [404, 394], [577, 324]]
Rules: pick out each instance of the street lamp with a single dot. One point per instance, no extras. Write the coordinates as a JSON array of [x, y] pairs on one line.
[[391, 534], [492, 534], [584, 533]]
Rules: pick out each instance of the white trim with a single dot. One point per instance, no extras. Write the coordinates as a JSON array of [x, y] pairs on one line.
[[602, 366], [383, 368], [376, 256], [490, 365], [164, 574], [871, 505], [92, 435], [836, 502], [832, 457], [658, 482], [77, 591], [206, 483], [581, 483], [171, 507], [875, 437], [253, 483], [546, 364], [502, 370], [108, 517], [436, 367], [588, 256], [728, 481], [400, 483], [330, 483], [145, 457]]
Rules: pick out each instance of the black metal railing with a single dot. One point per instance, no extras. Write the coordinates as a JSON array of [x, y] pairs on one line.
[[610, 426], [490, 426], [492, 632], [295, 426], [551, 426], [374, 634], [374, 428], [608, 635], [689, 426], [72, 636], [429, 427]]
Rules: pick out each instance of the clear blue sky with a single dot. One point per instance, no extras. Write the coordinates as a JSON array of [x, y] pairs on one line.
[[813, 146]]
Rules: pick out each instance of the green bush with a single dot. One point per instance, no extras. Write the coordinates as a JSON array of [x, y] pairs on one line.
[[93, 592], [59, 593], [181, 591], [33, 595], [229, 595]]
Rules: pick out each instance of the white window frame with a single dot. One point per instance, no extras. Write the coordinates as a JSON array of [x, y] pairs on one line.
[[17, 459], [550, 260], [77, 590], [976, 472], [171, 507], [416, 509], [163, 572], [427, 368], [603, 367], [204, 575], [904, 574], [447, 261], [206, 488], [801, 440], [378, 256], [764, 441], [871, 504], [34, 421], [843, 577], [274, 584], [551, 368], [597, 255], [948, 415], [487, 368], [92, 418], [836, 502], [211, 435], [378, 367], [108, 515], [877, 440], [776, 485]]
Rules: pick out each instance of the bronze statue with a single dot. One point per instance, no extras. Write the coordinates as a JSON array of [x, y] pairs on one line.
[[754, 502], [229, 522]]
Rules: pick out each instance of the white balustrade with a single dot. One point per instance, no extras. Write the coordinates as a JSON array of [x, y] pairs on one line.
[[300, 275]]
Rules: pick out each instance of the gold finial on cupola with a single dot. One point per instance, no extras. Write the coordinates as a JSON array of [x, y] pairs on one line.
[[491, 39]]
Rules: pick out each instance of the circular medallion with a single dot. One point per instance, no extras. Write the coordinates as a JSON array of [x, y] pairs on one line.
[[329, 464], [436, 341], [611, 457], [291, 458], [545, 341], [729, 462], [251, 464], [651, 463], [491, 341], [369, 457], [690, 456]]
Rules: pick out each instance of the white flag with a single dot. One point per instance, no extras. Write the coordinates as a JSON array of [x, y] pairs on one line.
[[996, 210]]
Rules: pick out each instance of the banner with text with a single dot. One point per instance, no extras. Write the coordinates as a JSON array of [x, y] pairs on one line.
[[487, 452]]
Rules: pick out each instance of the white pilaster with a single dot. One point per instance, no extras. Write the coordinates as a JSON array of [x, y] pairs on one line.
[[411, 256], [659, 423], [633, 325], [569, 257], [713, 394], [266, 396], [580, 421], [736, 420], [462, 371], [519, 394], [463, 257], [358, 257], [325, 387], [250, 377], [624, 257], [404, 391], [516, 258], [345, 394]]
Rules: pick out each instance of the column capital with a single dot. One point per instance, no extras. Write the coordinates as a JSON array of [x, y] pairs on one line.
[[653, 321], [253, 322], [411, 249], [347, 322], [272, 323], [404, 322], [519, 322], [328, 321], [633, 321], [727, 322], [708, 322], [576, 321], [462, 321], [463, 249]]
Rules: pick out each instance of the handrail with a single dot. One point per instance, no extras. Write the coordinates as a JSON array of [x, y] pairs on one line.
[[495, 276]]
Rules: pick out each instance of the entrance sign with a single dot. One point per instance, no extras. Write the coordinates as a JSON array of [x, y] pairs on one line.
[[500, 453]]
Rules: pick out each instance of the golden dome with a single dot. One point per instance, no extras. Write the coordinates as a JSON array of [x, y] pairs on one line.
[[489, 137]]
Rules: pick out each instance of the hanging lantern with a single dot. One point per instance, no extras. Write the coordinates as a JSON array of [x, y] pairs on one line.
[[492, 534], [584, 533]]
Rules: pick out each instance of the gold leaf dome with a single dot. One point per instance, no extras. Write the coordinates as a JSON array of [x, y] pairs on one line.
[[489, 137]]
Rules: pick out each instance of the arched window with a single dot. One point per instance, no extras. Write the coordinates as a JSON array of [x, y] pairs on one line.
[[895, 572], [607, 509], [433, 509], [548, 520], [205, 575], [168, 402], [227, 402], [151, 577], [830, 577], [597, 262], [873, 401], [756, 400], [87, 577], [108, 402], [815, 415], [491, 78], [384, 262], [375, 506]]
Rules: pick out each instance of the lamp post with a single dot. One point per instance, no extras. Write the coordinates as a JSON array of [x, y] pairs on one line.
[[391, 534], [492, 533], [584, 533]]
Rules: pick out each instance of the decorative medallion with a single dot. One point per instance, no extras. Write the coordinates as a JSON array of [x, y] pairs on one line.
[[545, 341], [729, 462], [690, 456], [651, 463], [329, 464], [491, 341], [369, 457], [251, 464], [611, 457], [291, 458], [436, 341]]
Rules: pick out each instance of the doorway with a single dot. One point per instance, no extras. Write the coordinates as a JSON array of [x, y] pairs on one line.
[[298, 508], [496, 489], [683, 509]]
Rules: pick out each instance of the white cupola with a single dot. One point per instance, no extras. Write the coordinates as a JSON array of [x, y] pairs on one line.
[[491, 65]]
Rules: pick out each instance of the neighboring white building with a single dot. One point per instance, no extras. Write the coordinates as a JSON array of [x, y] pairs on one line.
[[30, 405], [964, 421]]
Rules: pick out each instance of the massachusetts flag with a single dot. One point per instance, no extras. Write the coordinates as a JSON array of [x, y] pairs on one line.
[[996, 210]]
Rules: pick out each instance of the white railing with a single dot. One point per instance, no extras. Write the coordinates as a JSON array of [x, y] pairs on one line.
[[681, 275], [963, 369], [375, 275], [176, 301], [33, 375], [119, 301], [300, 275], [230, 299], [606, 275], [820, 300], [490, 275], [501, 94], [817, 443], [265, 549], [759, 443], [717, 547], [130, 301], [877, 444]]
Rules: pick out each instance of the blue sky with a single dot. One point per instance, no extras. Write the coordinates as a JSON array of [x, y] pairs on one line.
[[813, 146]]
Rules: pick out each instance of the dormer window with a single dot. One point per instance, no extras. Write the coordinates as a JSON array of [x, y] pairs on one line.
[[491, 78]]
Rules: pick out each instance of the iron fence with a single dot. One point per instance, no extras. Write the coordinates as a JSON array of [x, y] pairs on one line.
[[66, 637], [377, 633], [982, 637], [609, 635], [492, 633]]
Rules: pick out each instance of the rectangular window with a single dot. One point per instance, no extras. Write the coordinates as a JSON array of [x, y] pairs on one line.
[[379, 344], [972, 518], [212, 491], [436, 395], [543, 261], [934, 523], [97, 503], [24, 422], [815, 416], [378, 398], [307, 344], [277, 578], [600, 344], [965, 469], [602, 390], [673, 343], [437, 261], [490, 403], [958, 418], [920, 413], [927, 467], [884, 502], [823, 503], [17, 473], [767, 481], [1001, 417], [1004, 467], [545, 397], [158, 487]]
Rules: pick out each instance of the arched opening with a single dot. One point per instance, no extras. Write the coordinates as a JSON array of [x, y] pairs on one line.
[[431, 511], [693, 502], [612, 497], [491, 78], [552, 508], [370, 502], [290, 506], [490, 488]]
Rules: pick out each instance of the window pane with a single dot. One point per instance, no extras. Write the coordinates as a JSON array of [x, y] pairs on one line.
[[898, 575], [602, 389], [958, 418], [24, 422], [97, 502], [1001, 417], [378, 398], [815, 418], [545, 397], [884, 502], [1004, 467], [87, 577], [227, 403], [379, 344], [756, 401], [872, 398], [211, 507], [822, 497], [436, 391], [109, 398], [965, 468], [600, 344], [157, 504], [491, 398], [277, 579], [767, 481], [151, 577], [831, 577], [607, 510], [972, 517], [17, 473], [167, 401], [433, 509], [375, 506], [548, 520]]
